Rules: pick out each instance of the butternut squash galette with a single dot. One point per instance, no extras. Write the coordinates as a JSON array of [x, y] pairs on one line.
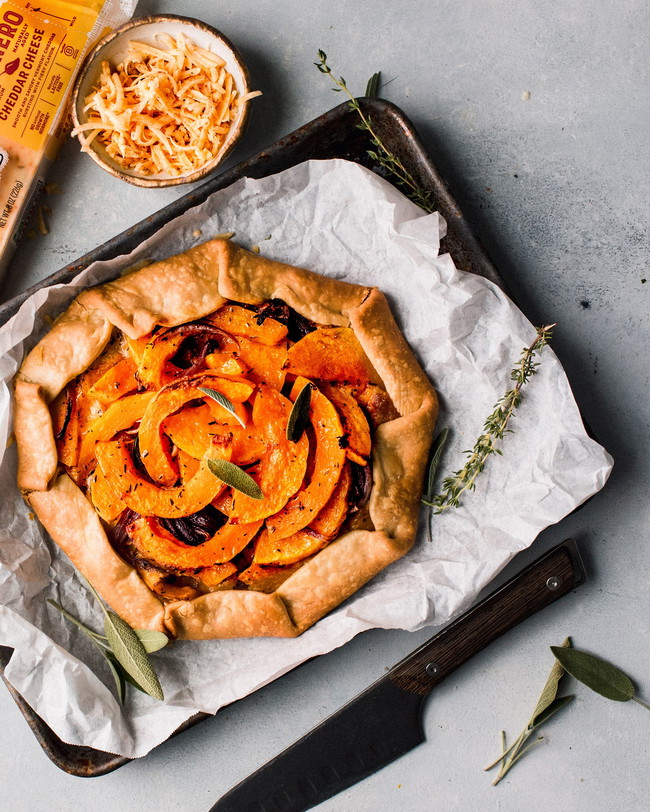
[[224, 445]]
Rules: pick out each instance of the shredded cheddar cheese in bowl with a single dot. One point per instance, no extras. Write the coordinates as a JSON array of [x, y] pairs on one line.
[[167, 109]]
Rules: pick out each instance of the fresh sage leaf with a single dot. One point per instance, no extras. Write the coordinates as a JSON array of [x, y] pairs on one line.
[[602, 677], [549, 693], [547, 706], [151, 640], [237, 478], [550, 710], [222, 400], [118, 676], [436, 454], [299, 416], [131, 654], [373, 85], [96, 638]]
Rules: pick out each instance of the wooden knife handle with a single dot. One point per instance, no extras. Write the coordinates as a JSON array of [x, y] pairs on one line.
[[550, 577]]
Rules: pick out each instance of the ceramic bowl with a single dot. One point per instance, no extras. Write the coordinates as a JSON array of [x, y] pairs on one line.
[[113, 48]]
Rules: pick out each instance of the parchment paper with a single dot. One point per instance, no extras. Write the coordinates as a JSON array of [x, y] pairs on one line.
[[342, 220]]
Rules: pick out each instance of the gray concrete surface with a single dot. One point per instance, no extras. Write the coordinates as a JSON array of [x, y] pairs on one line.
[[537, 114]]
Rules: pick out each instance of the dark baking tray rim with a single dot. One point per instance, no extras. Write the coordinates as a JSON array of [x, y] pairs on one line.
[[332, 135]]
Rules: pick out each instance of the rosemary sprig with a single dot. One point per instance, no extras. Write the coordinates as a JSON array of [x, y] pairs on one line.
[[382, 155], [454, 486]]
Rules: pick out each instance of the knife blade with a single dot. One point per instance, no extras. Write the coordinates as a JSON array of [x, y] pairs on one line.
[[385, 721]]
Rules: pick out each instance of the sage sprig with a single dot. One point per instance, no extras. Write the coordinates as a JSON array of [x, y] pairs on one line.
[[381, 155], [436, 454], [372, 88], [599, 675], [222, 400], [463, 480], [299, 415], [547, 706], [236, 477], [125, 650]]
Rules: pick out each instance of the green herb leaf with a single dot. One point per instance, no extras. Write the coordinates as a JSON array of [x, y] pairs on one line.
[[118, 676], [494, 428], [436, 454], [602, 677], [299, 416], [550, 690], [151, 640], [237, 478], [373, 85], [131, 654], [547, 706], [550, 710], [96, 638], [222, 400]]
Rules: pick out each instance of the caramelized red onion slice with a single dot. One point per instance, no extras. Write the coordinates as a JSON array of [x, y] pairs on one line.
[[279, 310], [360, 486]]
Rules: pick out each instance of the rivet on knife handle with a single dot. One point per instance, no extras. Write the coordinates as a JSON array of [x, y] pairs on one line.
[[539, 585]]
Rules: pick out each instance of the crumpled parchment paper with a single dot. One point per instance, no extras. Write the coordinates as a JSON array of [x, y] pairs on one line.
[[341, 220]]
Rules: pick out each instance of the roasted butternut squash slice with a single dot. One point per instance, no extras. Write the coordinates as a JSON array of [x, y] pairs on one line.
[[282, 466], [328, 460], [156, 545], [104, 497], [330, 354], [156, 367], [332, 516], [120, 415], [192, 428], [243, 322], [267, 578], [354, 422], [117, 381], [264, 364], [289, 550], [142, 496], [155, 450], [224, 363]]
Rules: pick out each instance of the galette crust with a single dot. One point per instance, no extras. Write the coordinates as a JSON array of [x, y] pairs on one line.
[[195, 284]]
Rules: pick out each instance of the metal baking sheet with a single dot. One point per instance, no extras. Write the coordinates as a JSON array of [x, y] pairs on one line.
[[332, 135]]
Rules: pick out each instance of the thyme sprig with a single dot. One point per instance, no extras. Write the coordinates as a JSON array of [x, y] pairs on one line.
[[382, 155], [463, 480]]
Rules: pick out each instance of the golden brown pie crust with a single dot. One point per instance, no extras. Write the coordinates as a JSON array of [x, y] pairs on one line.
[[178, 290]]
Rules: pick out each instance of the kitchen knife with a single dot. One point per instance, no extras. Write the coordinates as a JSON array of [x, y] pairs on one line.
[[384, 721]]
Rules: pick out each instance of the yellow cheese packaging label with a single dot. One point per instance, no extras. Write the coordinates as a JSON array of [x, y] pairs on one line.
[[41, 48]]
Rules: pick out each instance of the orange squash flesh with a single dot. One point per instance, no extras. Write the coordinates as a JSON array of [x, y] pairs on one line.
[[263, 364], [117, 381], [354, 422], [152, 370], [191, 429], [161, 548], [243, 322], [148, 499], [329, 458], [281, 469], [332, 516], [289, 550], [103, 496], [267, 578], [120, 415], [225, 364], [154, 451], [330, 354]]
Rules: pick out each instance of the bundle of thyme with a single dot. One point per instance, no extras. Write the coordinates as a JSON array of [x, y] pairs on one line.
[[454, 486], [381, 155]]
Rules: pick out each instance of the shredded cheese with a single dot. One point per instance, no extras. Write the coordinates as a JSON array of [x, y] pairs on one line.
[[165, 109]]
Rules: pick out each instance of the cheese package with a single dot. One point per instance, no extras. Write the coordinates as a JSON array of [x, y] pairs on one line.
[[41, 50]]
